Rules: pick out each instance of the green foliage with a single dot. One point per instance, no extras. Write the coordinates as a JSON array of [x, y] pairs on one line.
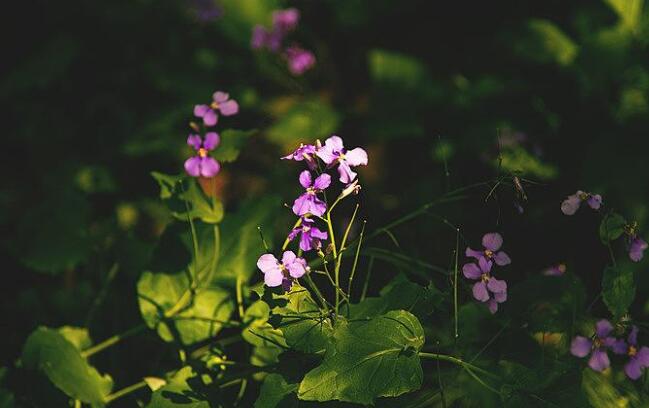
[[517, 160], [611, 227], [544, 42], [232, 141], [186, 200], [61, 361], [178, 393], [313, 117], [368, 359], [169, 305], [605, 390], [274, 389], [618, 289], [268, 342]]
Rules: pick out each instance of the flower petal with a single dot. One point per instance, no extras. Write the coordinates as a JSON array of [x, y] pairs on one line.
[[288, 258], [229, 108], [209, 167], [497, 285], [492, 241], [356, 157], [603, 328], [480, 291], [306, 242], [210, 118], [595, 201], [193, 166], [485, 264], [322, 181], [501, 258], [500, 297], [302, 204], [492, 305], [220, 97], [643, 356], [201, 110], [194, 141], [212, 140], [473, 253], [633, 336], [570, 205], [305, 179], [471, 271], [296, 269], [273, 278], [637, 248], [618, 346], [326, 154], [335, 143], [580, 346], [347, 175], [267, 262], [633, 369], [599, 360]]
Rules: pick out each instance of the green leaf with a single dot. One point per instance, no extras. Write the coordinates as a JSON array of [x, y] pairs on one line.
[[400, 294], [544, 43], [629, 12], [303, 324], [180, 192], [168, 305], [314, 118], [241, 244], [268, 342], [49, 351], [370, 359], [611, 227], [232, 141], [273, 391], [397, 70], [618, 290], [243, 15], [178, 393], [603, 392], [78, 336]]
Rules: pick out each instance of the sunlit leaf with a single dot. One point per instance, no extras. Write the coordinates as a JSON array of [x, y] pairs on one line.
[[274, 389], [178, 393], [185, 198]]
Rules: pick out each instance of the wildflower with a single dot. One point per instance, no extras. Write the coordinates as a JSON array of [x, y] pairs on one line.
[[488, 289], [638, 358], [555, 270], [285, 21], [276, 272], [596, 347], [352, 188], [311, 237], [299, 60], [309, 203], [262, 38], [491, 243], [334, 152], [570, 205], [220, 102], [202, 164], [306, 153], [637, 246]]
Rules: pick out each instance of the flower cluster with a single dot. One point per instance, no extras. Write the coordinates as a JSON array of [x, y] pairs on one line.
[[601, 341], [298, 59], [635, 244], [311, 206], [202, 164], [487, 289]]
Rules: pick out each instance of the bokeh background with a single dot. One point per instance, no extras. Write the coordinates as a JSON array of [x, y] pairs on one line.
[[96, 95]]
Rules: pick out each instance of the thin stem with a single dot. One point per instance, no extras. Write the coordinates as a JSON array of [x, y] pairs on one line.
[[358, 251], [112, 273], [367, 278], [192, 229], [125, 391], [111, 341], [239, 290], [455, 311], [455, 360], [286, 241], [313, 286], [332, 237]]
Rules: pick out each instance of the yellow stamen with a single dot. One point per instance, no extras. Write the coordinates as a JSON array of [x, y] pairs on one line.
[[214, 105], [202, 152], [488, 253], [632, 351]]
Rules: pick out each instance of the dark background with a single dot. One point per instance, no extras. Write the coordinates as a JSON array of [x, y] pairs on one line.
[[95, 95]]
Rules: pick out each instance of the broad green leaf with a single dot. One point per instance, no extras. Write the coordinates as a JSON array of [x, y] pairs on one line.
[[167, 305], [273, 391], [396, 70], [180, 193], [268, 342], [611, 227], [241, 244], [618, 289], [47, 350], [232, 142], [544, 42], [400, 294], [629, 12], [314, 118], [78, 336], [368, 359], [178, 393], [303, 324]]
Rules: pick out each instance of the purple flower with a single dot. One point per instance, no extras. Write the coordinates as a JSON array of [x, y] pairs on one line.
[[262, 38], [299, 60], [570, 205], [488, 289], [306, 153], [202, 164], [285, 20], [311, 237], [492, 243], [637, 247], [220, 102], [555, 270], [309, 203], [334, 152], [638, 359], [276, 272], [596, 347]]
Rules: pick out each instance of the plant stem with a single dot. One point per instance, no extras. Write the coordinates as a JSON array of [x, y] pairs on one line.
[[111, 341], [457, 245], [313, 286], [125, 391], [367, 278], [239, 291], [358, 251], [455, 360], [286, 241]]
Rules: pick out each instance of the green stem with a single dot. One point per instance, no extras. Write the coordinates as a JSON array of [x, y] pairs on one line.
[[313, 286], [358, 251], [455, 311], [455, 360], [125, 391], [367, 278], [239, 291], [111, 341], [287, 241]]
